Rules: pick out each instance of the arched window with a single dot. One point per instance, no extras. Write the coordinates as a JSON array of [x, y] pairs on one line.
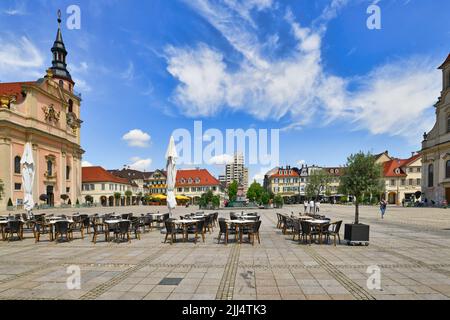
[[67, 172], [70, 105], [17, 165], [49, 168], [430, 176], [61, 83]]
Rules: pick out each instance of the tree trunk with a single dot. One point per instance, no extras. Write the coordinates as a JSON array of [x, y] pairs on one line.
[[356, 212]]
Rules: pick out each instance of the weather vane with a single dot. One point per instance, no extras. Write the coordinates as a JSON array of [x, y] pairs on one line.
[[59, 16]]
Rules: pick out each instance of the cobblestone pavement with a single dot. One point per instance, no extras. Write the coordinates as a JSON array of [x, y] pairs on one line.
[[411, 246]]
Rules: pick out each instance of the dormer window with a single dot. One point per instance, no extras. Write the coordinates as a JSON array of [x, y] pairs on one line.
[[197, 180], [190, 180]]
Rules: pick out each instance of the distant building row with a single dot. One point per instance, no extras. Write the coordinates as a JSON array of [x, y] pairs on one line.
[[403, 178], [102, 184]]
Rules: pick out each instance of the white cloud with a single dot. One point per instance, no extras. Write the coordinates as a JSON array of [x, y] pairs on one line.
[[259, 176], [18, 10], [222, 159], [296, 86], [19, 59], [140, 164], [128, 74], [137, 138], [301, 163], [86, 164]]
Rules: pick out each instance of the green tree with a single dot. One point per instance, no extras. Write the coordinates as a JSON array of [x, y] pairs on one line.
[[255, 192], [117, 196], [278, 201], [317, 183], [64, 197], [232, 191], [265, 198], [128, 195], [362, 176]]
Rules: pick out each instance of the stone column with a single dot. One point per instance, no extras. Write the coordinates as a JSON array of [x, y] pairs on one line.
[[5, 170]]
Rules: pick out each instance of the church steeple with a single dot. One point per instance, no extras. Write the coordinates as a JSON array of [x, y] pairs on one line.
[[59, 65]]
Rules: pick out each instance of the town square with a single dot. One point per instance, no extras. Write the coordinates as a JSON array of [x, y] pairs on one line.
[[224, 150]]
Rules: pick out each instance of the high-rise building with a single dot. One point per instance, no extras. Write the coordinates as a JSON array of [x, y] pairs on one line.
[[237, 171]]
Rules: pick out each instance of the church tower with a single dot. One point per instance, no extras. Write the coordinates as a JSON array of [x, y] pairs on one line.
[[59, 65]]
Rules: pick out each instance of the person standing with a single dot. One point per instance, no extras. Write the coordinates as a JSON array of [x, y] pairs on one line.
[[311, 206], [318, 206], [383, 206], [305, 206]]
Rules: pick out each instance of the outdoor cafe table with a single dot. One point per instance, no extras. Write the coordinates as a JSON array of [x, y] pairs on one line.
[[185, 223], [238, 225], [318, 223]]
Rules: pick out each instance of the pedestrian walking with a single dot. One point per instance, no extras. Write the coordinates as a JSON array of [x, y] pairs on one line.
[[318, 206], [305, 206], [383, 205]]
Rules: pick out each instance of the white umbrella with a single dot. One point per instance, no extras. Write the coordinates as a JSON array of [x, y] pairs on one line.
[[27, 164], [171, 156]]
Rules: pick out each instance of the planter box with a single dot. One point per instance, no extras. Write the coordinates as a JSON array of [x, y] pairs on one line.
[[357, 233]]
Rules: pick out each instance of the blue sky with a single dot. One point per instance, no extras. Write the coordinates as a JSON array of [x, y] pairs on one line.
[[310, 68]]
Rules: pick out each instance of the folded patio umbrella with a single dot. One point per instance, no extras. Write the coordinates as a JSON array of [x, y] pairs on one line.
[[28, 172], [171, 156]]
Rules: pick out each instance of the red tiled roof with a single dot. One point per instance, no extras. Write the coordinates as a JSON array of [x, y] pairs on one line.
[[447, 61], [13, 89], [280, 173], [206, 179], [390, 167], [98, 174]]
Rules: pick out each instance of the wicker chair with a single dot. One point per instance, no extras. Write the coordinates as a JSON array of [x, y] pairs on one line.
[[172, 230], [306, 231], [280, 221], [98, 228], [333, 230], [297, 229], [209, 223], [198, 229], [42, 227], [149, 221], [62, 228], [121, 230], [14, 227], [77, 225], [253, 232], [288, 224], [137, 224]]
